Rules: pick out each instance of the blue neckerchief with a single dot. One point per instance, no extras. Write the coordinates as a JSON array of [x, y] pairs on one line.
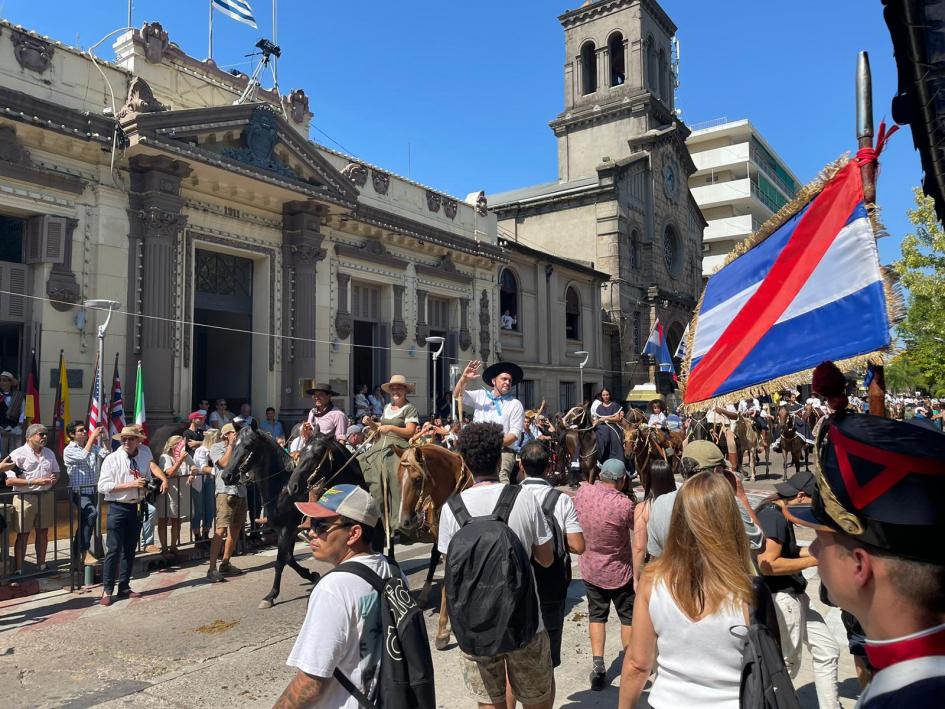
[[497, 400]]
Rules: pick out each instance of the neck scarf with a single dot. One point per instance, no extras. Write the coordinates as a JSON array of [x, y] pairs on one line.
[[497, 400]]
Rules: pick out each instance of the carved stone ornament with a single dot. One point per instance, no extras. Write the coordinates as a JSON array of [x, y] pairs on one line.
[[356, 172], [343, 325], [450, 207], [373, 246], [298, 105], [484, 321], [423, 332], [398, 331], [158, 222], [446, 264], [306, 253], [156, 41], [140, 100], [31, 52], [482, 204], [259, 140], [465, 339], [381, 181], [433, 201], [62, 286]]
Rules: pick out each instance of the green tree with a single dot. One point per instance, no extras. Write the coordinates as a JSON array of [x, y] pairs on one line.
[[922, 272], [903, 377]]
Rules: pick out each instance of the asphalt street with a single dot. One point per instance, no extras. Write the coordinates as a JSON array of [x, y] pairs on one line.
[[187, 643]]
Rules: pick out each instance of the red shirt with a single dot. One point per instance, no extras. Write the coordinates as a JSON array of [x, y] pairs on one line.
[[606, 516]]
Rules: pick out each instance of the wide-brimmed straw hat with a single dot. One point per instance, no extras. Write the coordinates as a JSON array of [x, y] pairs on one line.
[[399, 379], [311, 386], [127, 431]]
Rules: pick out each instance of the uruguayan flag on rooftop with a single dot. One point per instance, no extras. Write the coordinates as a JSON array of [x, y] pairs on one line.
[[812, 290], [239, 10]]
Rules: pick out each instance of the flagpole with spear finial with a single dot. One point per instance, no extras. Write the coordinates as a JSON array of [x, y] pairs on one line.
[[864, 136]]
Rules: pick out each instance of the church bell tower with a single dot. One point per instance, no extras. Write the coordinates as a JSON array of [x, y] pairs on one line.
[[619, 81]]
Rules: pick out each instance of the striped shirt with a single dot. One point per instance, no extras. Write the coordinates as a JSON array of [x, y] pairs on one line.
[[80, 464]]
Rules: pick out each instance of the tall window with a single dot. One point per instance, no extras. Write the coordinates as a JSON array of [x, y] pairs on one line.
[[572, 314], [618, 73], [664, 77], [671, 250], [634, 249], [508, 300], [567, 395], [588, 68]]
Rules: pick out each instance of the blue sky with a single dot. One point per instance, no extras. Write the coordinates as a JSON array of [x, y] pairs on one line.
[[467, 90]]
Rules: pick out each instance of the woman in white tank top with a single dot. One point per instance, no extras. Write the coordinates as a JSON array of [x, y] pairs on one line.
[[687, 603]]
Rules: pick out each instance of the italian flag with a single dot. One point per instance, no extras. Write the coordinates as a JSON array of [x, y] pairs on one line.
[[140, 416]]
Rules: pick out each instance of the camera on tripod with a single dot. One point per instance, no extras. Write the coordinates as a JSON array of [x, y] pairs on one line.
[[268, 48]]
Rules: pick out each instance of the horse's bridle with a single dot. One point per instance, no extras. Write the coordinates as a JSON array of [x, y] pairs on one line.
[[424, 504]]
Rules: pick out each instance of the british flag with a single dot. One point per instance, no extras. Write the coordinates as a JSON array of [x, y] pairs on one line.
[[117, 414]]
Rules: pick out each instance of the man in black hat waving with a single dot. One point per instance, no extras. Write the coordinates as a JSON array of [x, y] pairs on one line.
[[496, 405], [880, 520]]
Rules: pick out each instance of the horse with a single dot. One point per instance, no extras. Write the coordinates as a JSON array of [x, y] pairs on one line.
[[258, 459], [699, 428], [429, 476], [747, 439], [791, 442], [577, 435], [648, 443]]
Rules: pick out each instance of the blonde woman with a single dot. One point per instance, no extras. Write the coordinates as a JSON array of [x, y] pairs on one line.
[[687, 602], [203, 488], [174, 504]]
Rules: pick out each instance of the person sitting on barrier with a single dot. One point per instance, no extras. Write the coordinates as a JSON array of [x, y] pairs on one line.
[[80, 459], [40, 471]]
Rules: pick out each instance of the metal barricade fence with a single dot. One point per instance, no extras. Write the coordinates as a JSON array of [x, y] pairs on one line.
[[24, 517]]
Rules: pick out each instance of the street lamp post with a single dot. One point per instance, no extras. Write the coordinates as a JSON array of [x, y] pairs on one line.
[[587, 356], [435, 340], [110, 305]]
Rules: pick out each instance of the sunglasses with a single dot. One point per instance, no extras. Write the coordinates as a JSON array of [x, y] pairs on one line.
[[42, 435], [128, 439], [323, 529]]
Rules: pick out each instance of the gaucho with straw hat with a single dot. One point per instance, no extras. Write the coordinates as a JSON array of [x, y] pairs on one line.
[[496, 404]]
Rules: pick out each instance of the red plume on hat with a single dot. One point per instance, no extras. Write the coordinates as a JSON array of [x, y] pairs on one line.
[[829, 382]]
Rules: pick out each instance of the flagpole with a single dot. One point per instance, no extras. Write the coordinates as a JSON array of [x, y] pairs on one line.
[[876, 392], [210, 37]]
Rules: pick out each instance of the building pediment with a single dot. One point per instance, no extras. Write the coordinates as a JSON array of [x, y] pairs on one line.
[[251, 139]]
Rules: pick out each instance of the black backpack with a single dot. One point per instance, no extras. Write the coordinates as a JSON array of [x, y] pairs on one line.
[[765, 682], [406, 678], [490, 590], [554, 580]]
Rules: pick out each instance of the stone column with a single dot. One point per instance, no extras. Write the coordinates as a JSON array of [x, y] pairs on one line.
[[301, 252], [398, 329], [465, 338], [156, 223], [423, 328]]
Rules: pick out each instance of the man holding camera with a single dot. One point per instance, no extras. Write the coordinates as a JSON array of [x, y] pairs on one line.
[[124, 480]]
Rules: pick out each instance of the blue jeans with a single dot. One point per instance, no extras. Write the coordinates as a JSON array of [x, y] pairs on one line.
[[147, 527], [203, 506], [86, 501]]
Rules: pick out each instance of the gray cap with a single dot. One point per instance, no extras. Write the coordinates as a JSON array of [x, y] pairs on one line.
[[613, 470], [353, 429]]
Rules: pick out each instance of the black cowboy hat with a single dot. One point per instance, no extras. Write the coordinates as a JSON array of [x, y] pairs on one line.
[[494, 370], [882, 482], [312, 386]]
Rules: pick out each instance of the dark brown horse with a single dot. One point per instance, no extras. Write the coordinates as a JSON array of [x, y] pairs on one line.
[[429, 476], [792, 444], [576, 436]]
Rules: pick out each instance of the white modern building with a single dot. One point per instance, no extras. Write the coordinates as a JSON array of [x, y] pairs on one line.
[[739, 182]]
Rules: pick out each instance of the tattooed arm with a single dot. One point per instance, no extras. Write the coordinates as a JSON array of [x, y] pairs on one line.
[[303, 691]]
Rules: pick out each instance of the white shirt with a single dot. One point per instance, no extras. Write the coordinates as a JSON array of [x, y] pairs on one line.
[[216, 420], [33, 465], [485, 410], [342, 629], [525, 519], [657, 419], [595, 406], [116, 469], [746, 406], [564, 512]]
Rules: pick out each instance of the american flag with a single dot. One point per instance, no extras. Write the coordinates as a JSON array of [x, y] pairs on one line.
[[117, 414], [95, 401]]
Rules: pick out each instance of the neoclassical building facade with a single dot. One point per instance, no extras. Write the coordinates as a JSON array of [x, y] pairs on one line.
[[246, 257]]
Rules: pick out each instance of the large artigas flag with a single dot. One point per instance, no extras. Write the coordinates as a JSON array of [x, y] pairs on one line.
[[807, 287]]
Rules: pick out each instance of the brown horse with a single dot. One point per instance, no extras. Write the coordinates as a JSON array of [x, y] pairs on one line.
[[749, 439], [648, 443], [577, 436], [429, 476]]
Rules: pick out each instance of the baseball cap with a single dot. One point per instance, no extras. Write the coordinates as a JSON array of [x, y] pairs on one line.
[[227, 428], [799, 482], [348, 501], [198, 414], [706, 454], [613, 469]]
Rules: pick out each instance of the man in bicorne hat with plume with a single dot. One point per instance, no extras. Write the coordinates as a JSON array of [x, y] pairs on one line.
[[496, 405], [879, 511]]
